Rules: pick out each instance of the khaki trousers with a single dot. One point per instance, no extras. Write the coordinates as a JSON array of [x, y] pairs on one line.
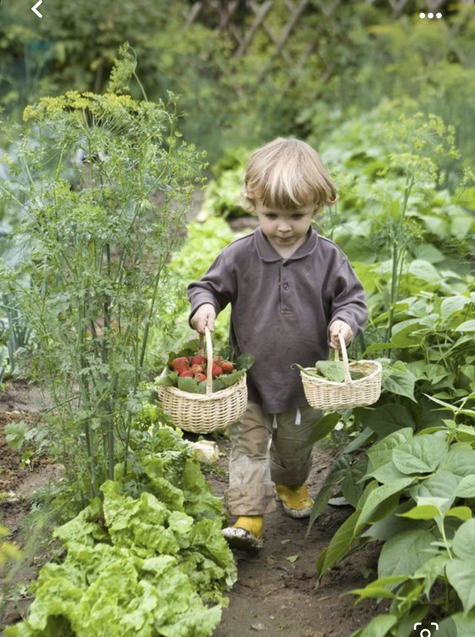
[[267, 449]]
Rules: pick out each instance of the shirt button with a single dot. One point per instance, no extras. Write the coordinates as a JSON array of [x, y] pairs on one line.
[[286, 286]]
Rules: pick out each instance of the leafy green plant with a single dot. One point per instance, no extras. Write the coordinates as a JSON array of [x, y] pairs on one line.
[[415, 496], [147, 559], [9, 553], [95, 242]]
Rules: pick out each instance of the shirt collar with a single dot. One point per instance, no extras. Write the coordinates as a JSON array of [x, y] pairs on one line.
[[267, 253]]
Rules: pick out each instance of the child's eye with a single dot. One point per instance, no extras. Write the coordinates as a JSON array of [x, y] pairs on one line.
[[298, 215], [270, 215]]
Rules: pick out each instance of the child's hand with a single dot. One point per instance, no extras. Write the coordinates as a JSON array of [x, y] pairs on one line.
[[339, 327], [204, 317]]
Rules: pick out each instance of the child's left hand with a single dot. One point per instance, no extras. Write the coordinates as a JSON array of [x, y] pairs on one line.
[[336, 328]]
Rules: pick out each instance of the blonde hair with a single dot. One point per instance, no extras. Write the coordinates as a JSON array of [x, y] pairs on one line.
[[287, 174]]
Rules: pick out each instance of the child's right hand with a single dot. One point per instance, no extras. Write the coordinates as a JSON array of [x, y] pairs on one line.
[[204, 317]]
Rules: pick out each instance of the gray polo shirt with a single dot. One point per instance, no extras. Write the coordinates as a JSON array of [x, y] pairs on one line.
[[281, 309]]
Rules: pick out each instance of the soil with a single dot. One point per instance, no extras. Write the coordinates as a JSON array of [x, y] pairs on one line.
[[276, 590]]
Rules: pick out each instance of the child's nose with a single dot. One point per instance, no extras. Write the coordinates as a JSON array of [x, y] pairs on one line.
[[283, 226]]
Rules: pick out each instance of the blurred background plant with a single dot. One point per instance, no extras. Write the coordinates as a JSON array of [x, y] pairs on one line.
[[245, 71]]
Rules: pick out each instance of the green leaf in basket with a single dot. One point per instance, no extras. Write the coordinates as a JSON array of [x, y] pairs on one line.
[[226, 380], [168, 380], [187, 349], [331, 370], [188, 384], [244, 362]]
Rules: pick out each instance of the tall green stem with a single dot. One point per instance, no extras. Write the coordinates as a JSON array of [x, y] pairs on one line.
[[398, 252]]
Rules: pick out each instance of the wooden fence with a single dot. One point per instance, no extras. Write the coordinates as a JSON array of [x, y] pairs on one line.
[[243, 19]]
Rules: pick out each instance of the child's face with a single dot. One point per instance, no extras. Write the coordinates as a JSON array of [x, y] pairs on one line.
[[285, 229]]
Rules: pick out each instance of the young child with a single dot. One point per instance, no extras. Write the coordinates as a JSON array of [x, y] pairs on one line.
[[292, 292]]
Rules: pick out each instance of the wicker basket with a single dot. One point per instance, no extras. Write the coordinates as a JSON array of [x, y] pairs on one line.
[[204, 413], [327, 394]]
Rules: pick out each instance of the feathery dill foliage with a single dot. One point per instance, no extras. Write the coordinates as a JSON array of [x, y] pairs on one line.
[[104, 183]]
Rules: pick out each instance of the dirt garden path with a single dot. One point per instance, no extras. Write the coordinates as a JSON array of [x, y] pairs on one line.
[[275, 593]]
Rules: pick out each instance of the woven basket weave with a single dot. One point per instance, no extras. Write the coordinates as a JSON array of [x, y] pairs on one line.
[[204, 413], [327, 394]]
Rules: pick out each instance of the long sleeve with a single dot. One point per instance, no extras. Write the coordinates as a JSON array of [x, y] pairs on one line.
[[348, 299], [217, 286]]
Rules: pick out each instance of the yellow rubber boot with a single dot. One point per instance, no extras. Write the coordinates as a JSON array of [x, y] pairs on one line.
[[246, 533], [296, 500]]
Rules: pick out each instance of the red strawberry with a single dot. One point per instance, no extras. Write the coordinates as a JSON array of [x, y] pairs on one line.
[[198, 360], [196, 369], [179, 364], [216, 371], [227, 367], [187, 373], [200, 377]]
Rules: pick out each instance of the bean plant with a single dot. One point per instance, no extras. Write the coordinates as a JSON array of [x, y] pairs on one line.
[[105, 183]]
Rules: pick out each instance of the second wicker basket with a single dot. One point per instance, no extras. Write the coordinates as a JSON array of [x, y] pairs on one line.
[[326, 394]]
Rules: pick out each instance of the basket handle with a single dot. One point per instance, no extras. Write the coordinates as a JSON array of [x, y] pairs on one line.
[[209, 355], [344, 355]]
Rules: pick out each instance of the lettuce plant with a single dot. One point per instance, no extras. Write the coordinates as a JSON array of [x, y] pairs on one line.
[[147, 559]]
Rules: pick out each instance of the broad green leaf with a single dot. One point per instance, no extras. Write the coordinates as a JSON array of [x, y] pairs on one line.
[[379, 496], [381, 452], [336, 474], [323, 427], [428, 252], [466, 487], [187, 384], [387, 418], [331, 370], [394, 524], [458, 625], [245, 361], [462, 513], [430, 570], [465, 433], [405, 625], [461, 225], [440, 486], [461, 575], [422, 512], [386, 473], [359, 441], [463, 543], [424, 270], [351, 486], [377, 588], [460, 460], [379, 626], [422, 454], [399, 380], [466, 326], [452, 304], [405, 334], [339, 546], [405, 552]]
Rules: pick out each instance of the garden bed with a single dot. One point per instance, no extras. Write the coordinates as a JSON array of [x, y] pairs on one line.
[[275, 593]]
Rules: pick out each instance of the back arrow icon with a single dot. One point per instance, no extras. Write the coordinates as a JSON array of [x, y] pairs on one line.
[[35, 8]]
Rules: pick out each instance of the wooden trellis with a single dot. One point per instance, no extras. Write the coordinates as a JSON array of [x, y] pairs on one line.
[[243, 19]]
